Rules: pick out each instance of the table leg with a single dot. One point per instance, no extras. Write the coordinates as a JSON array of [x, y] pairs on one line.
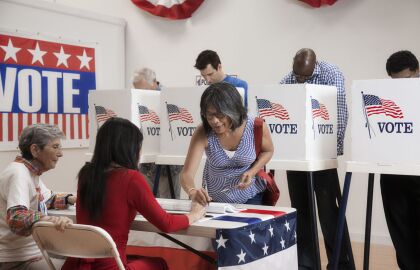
[[156, 181], [341, 220], [314, 227], [368, 221]]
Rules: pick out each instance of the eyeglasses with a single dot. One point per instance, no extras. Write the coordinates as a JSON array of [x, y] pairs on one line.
[[218, 115]]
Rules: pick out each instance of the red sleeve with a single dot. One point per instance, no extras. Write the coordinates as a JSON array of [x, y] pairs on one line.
[[141, 198]]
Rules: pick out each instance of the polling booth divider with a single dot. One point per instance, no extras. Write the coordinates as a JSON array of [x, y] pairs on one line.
[[384, 139], [302, 120]]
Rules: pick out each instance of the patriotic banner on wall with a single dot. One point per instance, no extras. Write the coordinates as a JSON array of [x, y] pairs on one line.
[[171, 9], [319, 3], [44, 81]]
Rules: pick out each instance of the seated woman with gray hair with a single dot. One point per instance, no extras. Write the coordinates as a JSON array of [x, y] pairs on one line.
[[227, 136], [24, 199]]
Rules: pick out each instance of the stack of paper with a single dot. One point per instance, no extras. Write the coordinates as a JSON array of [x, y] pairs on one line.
[[185, 205]]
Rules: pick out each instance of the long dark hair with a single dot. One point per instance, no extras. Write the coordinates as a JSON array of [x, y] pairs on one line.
[[118, 144]]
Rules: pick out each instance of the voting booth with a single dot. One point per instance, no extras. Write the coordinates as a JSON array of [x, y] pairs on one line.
[[180, 110], [385, 120], [302, 119], [141, 107]]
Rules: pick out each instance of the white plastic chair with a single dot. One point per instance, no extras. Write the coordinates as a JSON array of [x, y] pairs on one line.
[[80, 241]]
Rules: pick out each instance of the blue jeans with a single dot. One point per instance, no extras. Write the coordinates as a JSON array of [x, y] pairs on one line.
[[257, 199]]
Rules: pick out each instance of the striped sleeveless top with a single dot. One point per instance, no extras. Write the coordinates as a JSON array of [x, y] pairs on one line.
[[221, 173]]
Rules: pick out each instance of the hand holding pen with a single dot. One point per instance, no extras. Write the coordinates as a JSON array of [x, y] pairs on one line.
[[199, 195]]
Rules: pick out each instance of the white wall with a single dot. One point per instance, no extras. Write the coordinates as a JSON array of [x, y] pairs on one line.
[[257, 40]]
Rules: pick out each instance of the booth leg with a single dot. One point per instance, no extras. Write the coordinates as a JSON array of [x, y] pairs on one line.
[[156, 181], [171, 183], [314, 227], [341, 220], [368, 221]]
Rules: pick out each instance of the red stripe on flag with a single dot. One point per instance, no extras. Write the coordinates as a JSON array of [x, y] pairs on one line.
[[264, 212], [20, 123], [56, 119], [10, 127], [80, 125], [38, 118], [29, 119], [72, 126], [47, 118]]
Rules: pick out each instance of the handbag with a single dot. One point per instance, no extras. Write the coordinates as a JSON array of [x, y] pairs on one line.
[[272, 192]]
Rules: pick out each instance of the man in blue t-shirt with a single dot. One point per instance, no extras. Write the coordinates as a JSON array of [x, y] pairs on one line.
[[208, 62]]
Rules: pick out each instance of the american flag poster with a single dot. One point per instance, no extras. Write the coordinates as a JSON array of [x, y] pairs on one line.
[[319, 110], [44, 81], [268, 244], [267, 108], [103, 114], [178, 113], [376, 105], [146, 114]]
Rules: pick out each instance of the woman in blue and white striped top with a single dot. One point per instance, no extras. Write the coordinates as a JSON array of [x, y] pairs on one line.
[[227, 137]]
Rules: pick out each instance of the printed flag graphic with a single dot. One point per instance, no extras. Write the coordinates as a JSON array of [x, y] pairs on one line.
[[319, 110], [267, 108], [178, 113], [269, 244], [103, 114], [376, 105], [44, 82], [147, 114]]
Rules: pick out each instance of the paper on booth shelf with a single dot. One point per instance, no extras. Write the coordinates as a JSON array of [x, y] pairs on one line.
[[185, 205]]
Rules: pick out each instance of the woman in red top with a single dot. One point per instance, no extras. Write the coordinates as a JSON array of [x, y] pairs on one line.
[[111, 191]]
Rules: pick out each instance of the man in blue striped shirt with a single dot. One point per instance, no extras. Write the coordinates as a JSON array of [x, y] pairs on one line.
[[208, 62], [306, 69]]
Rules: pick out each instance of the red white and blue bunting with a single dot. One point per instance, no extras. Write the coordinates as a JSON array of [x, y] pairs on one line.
[[170, 9]]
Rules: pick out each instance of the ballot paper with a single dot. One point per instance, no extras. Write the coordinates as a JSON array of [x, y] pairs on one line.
[[185, 205]]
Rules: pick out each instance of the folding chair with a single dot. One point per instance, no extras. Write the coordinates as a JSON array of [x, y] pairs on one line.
[[79, 241]]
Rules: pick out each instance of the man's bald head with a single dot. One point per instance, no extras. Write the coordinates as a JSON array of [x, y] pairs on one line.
[[304, 64]]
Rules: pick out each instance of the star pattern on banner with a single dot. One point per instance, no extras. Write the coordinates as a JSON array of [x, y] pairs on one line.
[[282, 242], [255, 241], [43, 54], [252, 236], [37, 54], [10, 51], [84, 60], [287, 225], [265, 249], [241, 256], [62, 57], [221, 242], [271, 230]]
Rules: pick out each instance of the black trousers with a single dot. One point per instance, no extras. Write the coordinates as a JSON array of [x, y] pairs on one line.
[[327, 191], [401, 200]]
